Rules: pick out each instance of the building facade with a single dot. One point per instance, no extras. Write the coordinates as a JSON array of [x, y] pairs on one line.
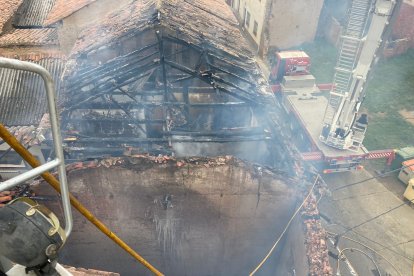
[[278, 24]]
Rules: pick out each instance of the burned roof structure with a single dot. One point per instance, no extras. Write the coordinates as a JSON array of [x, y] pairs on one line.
[[163, 72]]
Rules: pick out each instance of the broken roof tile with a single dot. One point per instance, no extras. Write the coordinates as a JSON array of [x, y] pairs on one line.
[[134, 17], [64, 8], [7, 10], [197, 22], [29, 37]]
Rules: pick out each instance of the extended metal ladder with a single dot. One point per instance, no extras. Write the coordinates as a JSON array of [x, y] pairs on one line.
[[348, 56]]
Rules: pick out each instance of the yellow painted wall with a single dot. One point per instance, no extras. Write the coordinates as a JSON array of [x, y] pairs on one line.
[[257, 10]]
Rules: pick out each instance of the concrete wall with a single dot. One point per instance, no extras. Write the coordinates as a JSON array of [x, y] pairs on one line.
[[222, 218], [294, 22], [71, 26]]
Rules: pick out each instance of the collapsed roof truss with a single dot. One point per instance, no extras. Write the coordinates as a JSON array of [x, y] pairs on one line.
[[150, 91]]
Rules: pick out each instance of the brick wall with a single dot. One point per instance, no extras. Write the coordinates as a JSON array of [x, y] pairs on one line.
[[404, 26], [403, 31]]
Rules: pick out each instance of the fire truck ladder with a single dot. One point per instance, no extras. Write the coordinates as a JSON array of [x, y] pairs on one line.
[[348, 56]]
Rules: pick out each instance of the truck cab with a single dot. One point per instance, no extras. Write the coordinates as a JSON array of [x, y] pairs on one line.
[[289, 63]]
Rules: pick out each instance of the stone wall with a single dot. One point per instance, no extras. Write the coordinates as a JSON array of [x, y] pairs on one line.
[[193, 216]]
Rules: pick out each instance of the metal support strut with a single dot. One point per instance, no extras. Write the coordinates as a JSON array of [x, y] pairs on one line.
[[57, 139], [39, 169]]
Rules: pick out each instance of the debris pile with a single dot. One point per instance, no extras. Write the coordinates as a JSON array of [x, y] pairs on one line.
[[88, 272], [32, 135], [316, 236]]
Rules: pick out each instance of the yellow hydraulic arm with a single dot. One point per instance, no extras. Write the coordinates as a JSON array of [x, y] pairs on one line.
[[29, 158]]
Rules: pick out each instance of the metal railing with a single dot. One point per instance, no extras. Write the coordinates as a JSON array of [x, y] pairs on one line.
[[57, 140]]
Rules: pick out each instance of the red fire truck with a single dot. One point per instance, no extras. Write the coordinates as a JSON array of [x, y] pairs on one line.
[[328, 129]]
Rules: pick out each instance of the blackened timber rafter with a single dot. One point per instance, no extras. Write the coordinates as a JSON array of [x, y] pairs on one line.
[[238, 61], [127, 113], [173, 89], [118, 120], [189, 77], [125, 93], [139, 105], [183, 42], [219, 133], [162, 60], [232, 64], [210, 79], [103, 69], [109, 87], [231, 74], [201, 59], [133, 140], [116, 74]]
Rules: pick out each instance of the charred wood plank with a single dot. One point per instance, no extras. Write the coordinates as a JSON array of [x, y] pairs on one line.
[[116, 120], [110, 71], [219, 133], [109, 86], [116, 62], [134, 140], [162, 60], [136, 105], [126, 111], [207, 78], [232, 74]]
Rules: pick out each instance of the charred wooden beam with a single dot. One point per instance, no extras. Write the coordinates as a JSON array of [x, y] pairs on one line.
[[162, 60], [183, 79], [126, 111], [186, 98], [116, 120], [109, 87], [116, 62], [137, 105], [231, 74], [208, 78], [183, 42], [115, 73], [233, 64], [182, 139], [251, 131]]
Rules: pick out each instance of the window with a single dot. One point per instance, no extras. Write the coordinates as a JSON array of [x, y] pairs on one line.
[[255, 28], [247, 19]]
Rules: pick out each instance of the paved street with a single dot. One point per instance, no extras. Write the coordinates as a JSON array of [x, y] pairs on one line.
[[363, 212]]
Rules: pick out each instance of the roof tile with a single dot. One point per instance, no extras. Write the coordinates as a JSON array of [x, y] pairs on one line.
[[32, 13], [7, 10], [197, 19], [29, 37], [64, 8]]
